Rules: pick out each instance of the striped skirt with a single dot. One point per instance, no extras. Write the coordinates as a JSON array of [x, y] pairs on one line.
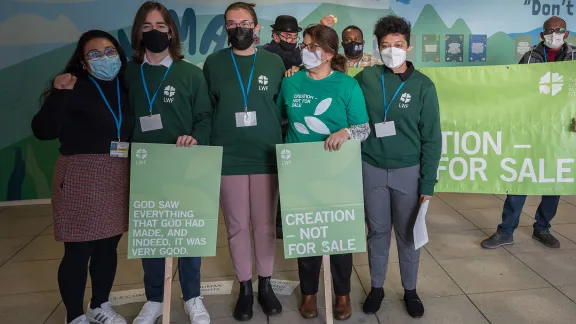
[[90, 197]]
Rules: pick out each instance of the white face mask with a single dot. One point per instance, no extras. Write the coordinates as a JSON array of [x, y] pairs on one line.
[[393, 57], [554, 41], [311, 59]]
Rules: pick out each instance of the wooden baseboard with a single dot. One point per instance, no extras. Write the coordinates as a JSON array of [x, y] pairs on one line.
[[30, 202]]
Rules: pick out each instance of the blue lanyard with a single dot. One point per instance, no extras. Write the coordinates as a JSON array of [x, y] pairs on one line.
[[151, 101], [358, 63], [118, 120], [246, 91], [387, 107]]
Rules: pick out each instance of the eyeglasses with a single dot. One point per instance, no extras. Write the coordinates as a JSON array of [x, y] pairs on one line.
[[242, 24], [554, 31], [289, 38], [310, 47], [96, 55]]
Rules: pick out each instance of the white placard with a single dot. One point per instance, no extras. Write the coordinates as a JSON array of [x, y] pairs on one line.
[[420, 231], [124, 297], [216, 288], [280, 287]]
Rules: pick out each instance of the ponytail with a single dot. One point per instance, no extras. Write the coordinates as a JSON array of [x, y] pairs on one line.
[[338, 63]]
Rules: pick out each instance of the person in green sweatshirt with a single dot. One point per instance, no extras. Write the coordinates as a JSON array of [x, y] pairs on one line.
[[336, 101], [400, 158], [172, 106], [243, 84]]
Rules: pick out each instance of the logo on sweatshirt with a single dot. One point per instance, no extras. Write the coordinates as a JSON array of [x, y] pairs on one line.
[[263, 83], [551, 84], [405, 99], [169, 93], [315, 124]]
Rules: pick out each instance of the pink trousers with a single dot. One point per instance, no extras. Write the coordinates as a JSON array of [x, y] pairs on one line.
[[250, 200]]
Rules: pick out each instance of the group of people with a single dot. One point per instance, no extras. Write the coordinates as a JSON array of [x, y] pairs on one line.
[[102, 102]]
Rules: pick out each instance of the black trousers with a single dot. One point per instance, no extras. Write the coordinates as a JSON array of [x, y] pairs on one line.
[[100, 258], [309, 273]]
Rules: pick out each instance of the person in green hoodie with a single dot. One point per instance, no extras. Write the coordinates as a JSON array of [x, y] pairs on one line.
[[243, 84], [400, 158], [172, 106]]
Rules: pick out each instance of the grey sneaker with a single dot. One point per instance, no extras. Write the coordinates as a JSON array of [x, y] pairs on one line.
[[546, 238], [497, 240]]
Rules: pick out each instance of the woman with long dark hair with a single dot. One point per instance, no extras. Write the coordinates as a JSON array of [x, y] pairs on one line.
[[243, 84], [343, 117], [88, 111]]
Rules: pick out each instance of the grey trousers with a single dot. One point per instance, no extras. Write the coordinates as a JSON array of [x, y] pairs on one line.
[[391, 198]]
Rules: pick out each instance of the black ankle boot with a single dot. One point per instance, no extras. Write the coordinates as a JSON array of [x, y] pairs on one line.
[[266, 297], [243, 310], [413, 303]]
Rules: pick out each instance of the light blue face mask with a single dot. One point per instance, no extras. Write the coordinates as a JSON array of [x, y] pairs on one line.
[[106, 68]]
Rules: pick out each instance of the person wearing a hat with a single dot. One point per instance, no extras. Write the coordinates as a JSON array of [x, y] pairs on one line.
[[284, 41]]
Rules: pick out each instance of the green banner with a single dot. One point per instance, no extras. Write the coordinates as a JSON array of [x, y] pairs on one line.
[[322, 200], [174, 200], [507, 129]]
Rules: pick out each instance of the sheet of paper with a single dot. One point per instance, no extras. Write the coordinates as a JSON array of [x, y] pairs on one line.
[[216, 288], [124, 297], [280, 287], [420, 231]]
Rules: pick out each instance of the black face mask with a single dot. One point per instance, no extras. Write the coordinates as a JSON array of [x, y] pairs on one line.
[[155, 41], [241, 38], [287, 47], [353, 49]]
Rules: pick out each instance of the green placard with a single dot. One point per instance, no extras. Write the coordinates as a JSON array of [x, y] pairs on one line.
[[322, 200], [174, 200], [507, 129]]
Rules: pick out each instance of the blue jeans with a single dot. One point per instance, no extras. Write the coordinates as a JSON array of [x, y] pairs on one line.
[[189, 269], [513, 208]]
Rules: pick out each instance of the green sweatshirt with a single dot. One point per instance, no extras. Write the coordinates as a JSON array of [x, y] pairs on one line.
[[247, 150], [415, 112], [182, 102], [317, 108]]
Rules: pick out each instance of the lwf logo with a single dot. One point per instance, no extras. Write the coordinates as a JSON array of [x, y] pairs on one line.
[[141, 156], [169, 93], [551, 84], [286, 155], [263, 83]]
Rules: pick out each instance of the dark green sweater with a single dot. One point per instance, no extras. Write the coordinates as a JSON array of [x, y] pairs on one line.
[[247, 150], [182, 102], [416, 116]]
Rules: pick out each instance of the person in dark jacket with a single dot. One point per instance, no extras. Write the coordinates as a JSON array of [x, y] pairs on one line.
[[87, 109], [553, 48], [285, 41]]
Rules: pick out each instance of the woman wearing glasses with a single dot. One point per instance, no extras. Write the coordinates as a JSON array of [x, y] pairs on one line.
[[343, 116], [243, 84], [88, 111]]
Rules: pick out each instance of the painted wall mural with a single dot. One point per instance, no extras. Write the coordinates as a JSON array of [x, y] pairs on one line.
[[37, 37]]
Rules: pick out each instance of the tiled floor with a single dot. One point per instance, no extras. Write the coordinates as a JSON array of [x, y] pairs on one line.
[[459, 281]]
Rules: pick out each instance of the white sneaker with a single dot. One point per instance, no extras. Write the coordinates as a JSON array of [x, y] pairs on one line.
[[149, 314], [104, 315], [79, 320], [195, 309]]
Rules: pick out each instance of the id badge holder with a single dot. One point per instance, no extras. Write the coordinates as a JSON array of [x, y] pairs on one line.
[[119, 149], [385, 129], [150, 123], [246, 119]]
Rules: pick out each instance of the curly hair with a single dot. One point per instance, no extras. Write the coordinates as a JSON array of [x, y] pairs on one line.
[[392, 25]]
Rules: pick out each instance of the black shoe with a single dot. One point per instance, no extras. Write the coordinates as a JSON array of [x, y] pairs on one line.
[[243, 310], [546, 238], [267, 298], [413, 304], [497, 240], [373, 301]]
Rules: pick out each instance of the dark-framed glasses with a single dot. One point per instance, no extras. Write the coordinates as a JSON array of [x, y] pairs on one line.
[[243, 24], [554, 31]]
